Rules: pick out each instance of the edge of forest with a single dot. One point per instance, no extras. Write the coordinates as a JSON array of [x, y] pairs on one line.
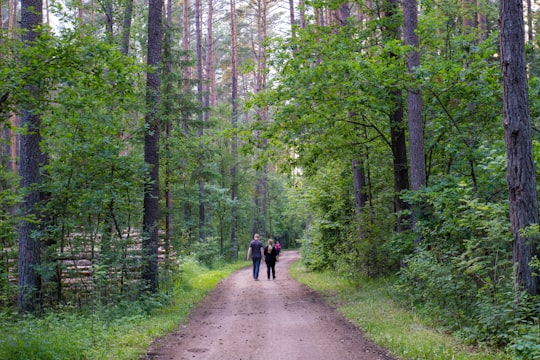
[[368, 304]]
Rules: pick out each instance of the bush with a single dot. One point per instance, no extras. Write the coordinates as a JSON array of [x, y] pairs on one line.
[[526, 345]]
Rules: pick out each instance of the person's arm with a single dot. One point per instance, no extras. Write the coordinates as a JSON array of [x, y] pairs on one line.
[[248, 253], [262, 251]]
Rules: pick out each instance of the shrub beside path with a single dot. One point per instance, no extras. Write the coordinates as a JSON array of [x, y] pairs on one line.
[[279, 319]]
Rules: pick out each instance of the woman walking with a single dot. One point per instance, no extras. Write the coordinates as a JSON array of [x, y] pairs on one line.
[[270, 254]]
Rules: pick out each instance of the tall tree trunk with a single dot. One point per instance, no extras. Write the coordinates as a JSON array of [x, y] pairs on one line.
[[398, 141], [414, 98], [260, 195], [109, 15], [414, 105], [13, 137], [359, 186], [264, 198], [167, 54], [481, 20], [234, 140], [186, 116], [200, 78], [532, 66], [29, 280], [151, 147], [126, 27], [517, 135], [302, 7], [256, 206], [293, 21], [12, 17], [210, 99], [399, 157]]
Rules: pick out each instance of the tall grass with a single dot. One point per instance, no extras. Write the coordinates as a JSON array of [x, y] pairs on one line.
[[369, 305], [122, 332]]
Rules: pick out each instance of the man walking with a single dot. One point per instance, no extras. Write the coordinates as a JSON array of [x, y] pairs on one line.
[[255, 251]]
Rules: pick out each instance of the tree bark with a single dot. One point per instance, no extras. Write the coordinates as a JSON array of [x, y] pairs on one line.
[[399, 159], [210, 95], [234, 140], [29, 280], [397, 127], [517, 135], [126, 30], [169, 89], [186, 116], [414, 98], [151, 147], [200, 78], [414, 107]]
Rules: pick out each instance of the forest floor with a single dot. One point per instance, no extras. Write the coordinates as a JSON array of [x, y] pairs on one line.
[[279, 319]]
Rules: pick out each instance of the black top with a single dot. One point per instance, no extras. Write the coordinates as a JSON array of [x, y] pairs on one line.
[[270, 256]]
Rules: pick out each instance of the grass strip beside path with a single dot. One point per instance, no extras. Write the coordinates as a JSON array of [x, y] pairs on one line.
[[368, 305]]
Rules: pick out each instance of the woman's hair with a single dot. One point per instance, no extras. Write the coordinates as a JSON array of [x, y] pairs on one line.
[[270, 243]]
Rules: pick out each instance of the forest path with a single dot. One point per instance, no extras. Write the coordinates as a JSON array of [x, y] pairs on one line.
[[279, 319]]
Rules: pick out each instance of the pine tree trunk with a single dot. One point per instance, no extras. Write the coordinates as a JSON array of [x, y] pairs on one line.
[[167, 54], [517, 135], [186, 116], [398, 140], [151, 148], [29, 280], [126, 30], [234, 140], [200, 78], [399, 159], [414, 98]]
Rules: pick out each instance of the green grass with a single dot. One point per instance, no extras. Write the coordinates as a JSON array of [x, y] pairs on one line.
[[368, 304], [121, 333]]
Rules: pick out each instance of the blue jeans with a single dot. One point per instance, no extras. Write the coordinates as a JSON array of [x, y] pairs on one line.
[[256, 266]]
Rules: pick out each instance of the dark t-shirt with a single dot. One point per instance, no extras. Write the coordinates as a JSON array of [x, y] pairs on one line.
[[256, 246]]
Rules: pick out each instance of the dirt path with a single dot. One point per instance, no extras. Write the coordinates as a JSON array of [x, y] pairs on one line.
[[277, 319]]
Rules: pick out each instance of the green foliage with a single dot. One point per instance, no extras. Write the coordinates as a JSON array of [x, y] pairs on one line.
[[37, 339], [207, 252], [368, 303], [525, 345], [461, 271], [122, 331]]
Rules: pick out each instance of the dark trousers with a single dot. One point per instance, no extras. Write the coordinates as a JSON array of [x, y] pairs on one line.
[[271, 265], [256, 267]]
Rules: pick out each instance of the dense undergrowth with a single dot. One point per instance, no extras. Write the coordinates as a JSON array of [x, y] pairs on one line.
[[123, 331], [456, 268]]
